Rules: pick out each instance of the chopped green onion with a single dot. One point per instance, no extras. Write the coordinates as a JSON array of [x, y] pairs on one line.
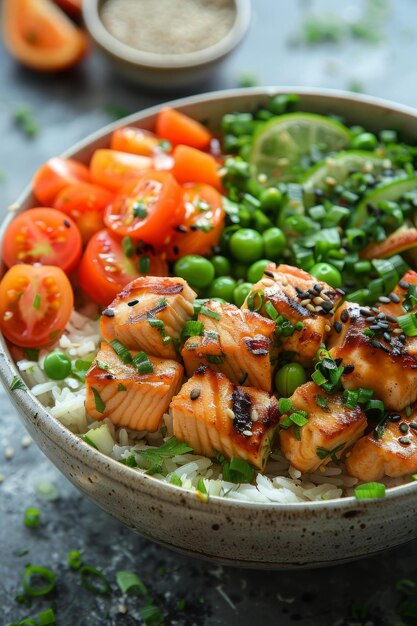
[[93, 580], [38, 581], [271, 311], [321, 402], [151, 615], [414, 476], [408, 410], [375, 406], [144, 265], [238, 471], [201, 486], [408, 324], [17, 383], [121, 351], [176, 480], [213, 314], [130, 461], [128, 246], [410, 299], [74, 559], [255, 300], [284, 405], [370, 490], [101, 365], [215, 359], [98, 401], [130, 583], [31, 517], [192, 328], [121, 387], [139, 210], [322, 453], [142, 363], [154, 322], [380, 427], [26, 121], [46, 617]]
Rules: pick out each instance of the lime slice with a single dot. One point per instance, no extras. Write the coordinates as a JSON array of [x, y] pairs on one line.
[[280, 145], [392, 191], [335, 169]]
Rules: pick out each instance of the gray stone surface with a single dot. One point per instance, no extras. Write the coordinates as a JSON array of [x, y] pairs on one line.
[[68, 107]]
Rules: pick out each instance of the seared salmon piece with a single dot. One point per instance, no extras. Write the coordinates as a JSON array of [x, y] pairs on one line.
[[149, 315], [330, 429], [375, 354], [401, 297], [304, 307], [235, 342], [213, 415], [393, 454], [118, 391]]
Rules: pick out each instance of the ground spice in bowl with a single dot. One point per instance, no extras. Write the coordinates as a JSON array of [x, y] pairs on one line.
[[168, 26]]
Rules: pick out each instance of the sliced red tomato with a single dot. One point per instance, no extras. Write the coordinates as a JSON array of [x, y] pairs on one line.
[[36, 303], [44, 236], [85, 204], [203, 222], [148, 208], [179, 128], [194, 166], [56, 174], [112, 168], [109, 263], [135, 140]]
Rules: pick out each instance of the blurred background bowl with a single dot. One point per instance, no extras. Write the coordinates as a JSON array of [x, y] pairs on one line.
[[165, 71]]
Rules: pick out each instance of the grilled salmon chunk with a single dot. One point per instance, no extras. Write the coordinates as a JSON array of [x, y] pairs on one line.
[[235, 342], [304, 308], [330, 429], [118, 391], [375, 354], [213, 415], [393, 454], [149, 315]]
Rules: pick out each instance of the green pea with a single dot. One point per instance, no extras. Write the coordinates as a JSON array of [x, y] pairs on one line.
[[364, 141], [245, 217], [222, 287], [221, 264], [195, 269], [261, 222], [288, 378], [274, 242], [256, 270], [328, 273], [240, 292], [271, 199], [226, 236], [239, 270], [57, 365], [246, 245], [252, 187], [283, 103]]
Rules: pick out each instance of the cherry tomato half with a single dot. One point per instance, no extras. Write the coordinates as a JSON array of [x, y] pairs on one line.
[[203, 222], [43, 236], [148, 208], [112, 168], [135, 140], [56, 174], [108, 264], [85, 204], [36, 303]]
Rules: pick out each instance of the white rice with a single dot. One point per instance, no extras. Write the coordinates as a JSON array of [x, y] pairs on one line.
[[65, 400]]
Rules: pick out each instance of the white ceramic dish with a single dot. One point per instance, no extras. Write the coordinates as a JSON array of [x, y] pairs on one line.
[[273, 536]]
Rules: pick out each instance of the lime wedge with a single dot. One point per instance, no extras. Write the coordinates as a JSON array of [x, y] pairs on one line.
[[281, 145], [392, 191], [335, 169]]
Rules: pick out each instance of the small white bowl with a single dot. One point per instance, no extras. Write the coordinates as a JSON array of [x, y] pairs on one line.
[[165, 71]]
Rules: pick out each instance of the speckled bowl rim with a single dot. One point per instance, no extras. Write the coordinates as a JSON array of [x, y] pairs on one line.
[[31, 408], [153, 60]]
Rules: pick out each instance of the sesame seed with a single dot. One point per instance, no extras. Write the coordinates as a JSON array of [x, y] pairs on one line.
[[8, 453], [397, 331], [338, 327], [384, 300], [394, 418], [327, 328], [324, 296], [403, 284], [365, 312], [328, 306], [349, 369], [371, 319], [270, 274], [132, 302], [413, 425], [391, 318], [254, 415], [306, 301], [194, 394], [109, 313], [247, 433], [403, 427], [318, 300], [311, 308], [330, 181], [317, 287], [122, 608], [375, 327], [344, 316], [181, 228], [376, 344], [387, 337], [26, 441], [67, 224], [394, 298], [230, 414], [404, 440]]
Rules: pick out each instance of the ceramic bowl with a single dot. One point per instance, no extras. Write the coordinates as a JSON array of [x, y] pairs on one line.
[[269, 536], [162, 71]]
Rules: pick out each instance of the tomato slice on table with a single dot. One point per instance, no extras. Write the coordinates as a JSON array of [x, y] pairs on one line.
[[56, 174], [112, 168], [43, 236], [36, 303], [203, 222], [135, 141], [85, 204], [148, 208], [179, 128], [109, 263], [194, 166]]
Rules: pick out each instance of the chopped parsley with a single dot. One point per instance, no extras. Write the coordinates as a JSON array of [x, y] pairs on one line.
[[410, 299], [17, 383], [139, 210], [121, 387], [144, 265], [327, 372], [101, 365], [213, 314], [322, 453], [26, 121], [321, 401], [155, 457], [98, 401]]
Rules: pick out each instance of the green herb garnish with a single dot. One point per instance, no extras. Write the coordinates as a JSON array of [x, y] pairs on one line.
[[121, 351], [322, 453], [130, 583], [99, 404], [26, 121], [213, 314], [17, 383], [370, 490], [31, 517], [74, 559], [93, 580]]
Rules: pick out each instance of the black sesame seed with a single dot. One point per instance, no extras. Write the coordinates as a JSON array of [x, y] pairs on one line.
[[110, 376], [344, 316], [404, 440], [384, 300], [403, 284], [394, 298], [299, 291], [181, 228], [176, 250], [381, 316], [194, 394], [243, 378], [403, 427], [338, 361], [340, 291], [270, 274], [109, 313], [383, 325], [391, 319], [132, 302], [375, 327], [387, 337], [371, 319], [413, 425], [394, 418], [376, 344], [349, 369], [401, 338], [365, 312], [327, 306], [67, 224], [193, 227], [338, 327], [317, 288]]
